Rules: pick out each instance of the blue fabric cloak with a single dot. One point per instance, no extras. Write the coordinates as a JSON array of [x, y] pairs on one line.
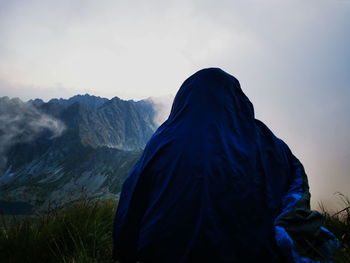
[[214, 184]]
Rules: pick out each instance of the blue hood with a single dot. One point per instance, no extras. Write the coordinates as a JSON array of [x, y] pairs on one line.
[[214, 185]]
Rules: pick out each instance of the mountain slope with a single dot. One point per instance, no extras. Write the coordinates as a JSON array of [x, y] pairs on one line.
[[100, 142]]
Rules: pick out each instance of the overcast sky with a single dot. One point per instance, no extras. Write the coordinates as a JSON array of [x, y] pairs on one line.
[[291, 57]]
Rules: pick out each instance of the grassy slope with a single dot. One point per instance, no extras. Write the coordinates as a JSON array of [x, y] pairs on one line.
[[81, 232]]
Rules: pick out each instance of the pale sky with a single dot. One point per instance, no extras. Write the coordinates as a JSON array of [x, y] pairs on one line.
[[291, 57]]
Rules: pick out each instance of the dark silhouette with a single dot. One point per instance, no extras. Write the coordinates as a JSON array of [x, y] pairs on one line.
[[214, 184]]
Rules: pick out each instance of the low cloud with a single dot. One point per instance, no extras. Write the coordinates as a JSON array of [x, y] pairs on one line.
[[22, 122], [162, 106]]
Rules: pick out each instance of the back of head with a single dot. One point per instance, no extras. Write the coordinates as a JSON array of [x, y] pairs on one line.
[[211, 96]]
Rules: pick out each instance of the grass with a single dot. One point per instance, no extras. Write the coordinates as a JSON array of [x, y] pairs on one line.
[[339, 224], [80, 232]]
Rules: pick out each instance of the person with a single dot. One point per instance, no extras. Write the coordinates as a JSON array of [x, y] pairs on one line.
[[214, 184]]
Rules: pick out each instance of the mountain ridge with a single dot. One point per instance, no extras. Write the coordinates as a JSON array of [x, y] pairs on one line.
[[101, 140]]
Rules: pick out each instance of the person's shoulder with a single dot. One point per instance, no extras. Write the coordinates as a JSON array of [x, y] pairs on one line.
[[264, 131], [267, 135]]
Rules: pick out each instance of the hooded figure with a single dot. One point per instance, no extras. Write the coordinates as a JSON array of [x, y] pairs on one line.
[[214, 184]]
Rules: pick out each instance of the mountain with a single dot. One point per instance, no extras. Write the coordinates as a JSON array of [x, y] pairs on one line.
[[58, 150], [88, 100]]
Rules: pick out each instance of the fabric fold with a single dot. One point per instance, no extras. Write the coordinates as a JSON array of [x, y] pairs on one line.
[[214, 184]]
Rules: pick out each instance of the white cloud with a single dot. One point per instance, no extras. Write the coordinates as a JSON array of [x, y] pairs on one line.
[[22, 123]]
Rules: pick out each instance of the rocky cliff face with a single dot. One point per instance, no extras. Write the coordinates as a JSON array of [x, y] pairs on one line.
[[100, 140]]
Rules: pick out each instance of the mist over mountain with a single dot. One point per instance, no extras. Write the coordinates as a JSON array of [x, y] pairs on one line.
[[82, 144], [22, 122]]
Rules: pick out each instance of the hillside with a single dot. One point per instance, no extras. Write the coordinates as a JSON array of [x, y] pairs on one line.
[[58, 149]]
